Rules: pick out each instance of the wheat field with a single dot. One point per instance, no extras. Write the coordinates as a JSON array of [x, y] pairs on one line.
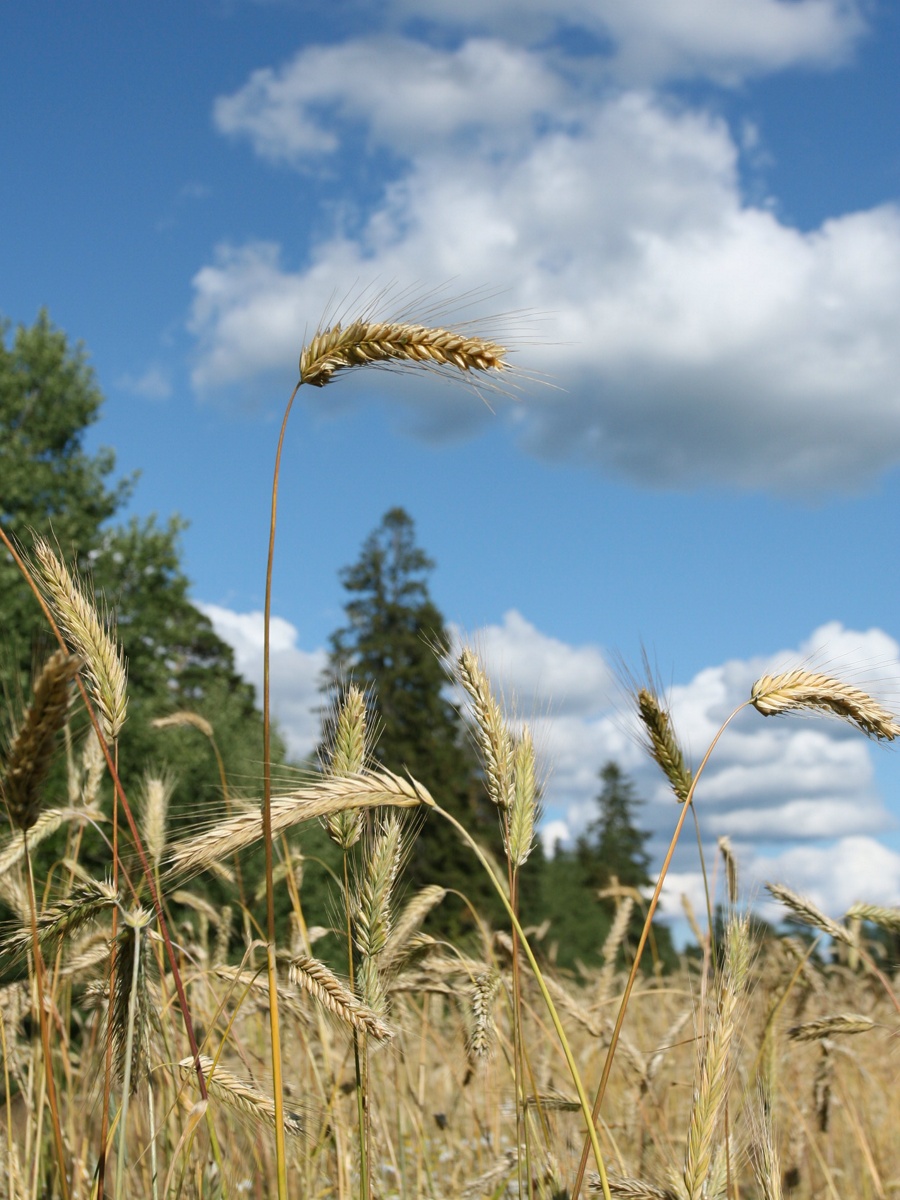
[[155, 1045]]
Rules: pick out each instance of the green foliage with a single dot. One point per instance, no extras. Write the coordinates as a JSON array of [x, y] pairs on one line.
[[50, 484], [612, 847], [392, 646], [609, 854]]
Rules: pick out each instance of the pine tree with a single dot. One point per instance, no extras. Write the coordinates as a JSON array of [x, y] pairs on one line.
[[612, 846], [393, 645]]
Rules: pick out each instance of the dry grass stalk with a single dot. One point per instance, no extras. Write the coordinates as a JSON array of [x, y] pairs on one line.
[[223, 935], [314, 977], [89, 952], [47, 824], [524, 812], [494, 738], [372, 904], [240, 1096], [731, 871], [287, 868], [184, 720], [256, 986], [610, 951], [628, 1189], [369, 789], [825, 1027], [807, 913], [663, 744], [157, 792], [884, 918], [798, 690], [764, 1149], [489, 1183], [348, 757], [198, 904], [709, 1097], [822, 1085], [88, 636], [482, 1031], [383, 343], [68, 916], [407, 924], [132, 1006], [554, 1102], [372, 915], [93, 766], [31, 749], [669, 1039]]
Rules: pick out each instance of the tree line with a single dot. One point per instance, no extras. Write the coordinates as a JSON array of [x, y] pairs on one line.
[[394, 645]]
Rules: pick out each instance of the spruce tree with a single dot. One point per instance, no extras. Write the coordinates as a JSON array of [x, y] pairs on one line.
[[394, 645], [612, 846]]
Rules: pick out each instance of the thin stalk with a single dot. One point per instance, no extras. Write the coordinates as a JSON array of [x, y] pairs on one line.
[[645, 933], [594, 1142], [277, 1082], [126, 1081], [518, 1048], [129, 816], [45, 1030], [364, 1190], [107, 1067]]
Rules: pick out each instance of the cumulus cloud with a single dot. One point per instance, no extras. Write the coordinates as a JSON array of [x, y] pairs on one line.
[[407, 93], [294, 677], [806, 785], [835, 876], [698, 338], [770, 780]]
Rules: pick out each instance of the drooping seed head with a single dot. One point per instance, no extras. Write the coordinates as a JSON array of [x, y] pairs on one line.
[[794, 691], [385, 343]]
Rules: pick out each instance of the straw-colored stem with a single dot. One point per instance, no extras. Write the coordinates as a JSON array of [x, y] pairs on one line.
[[45, 1032], [126, 808], [594, 1142], [645, 933], [277, 1081]]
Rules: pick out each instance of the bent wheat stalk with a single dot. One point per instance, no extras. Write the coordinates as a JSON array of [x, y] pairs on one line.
[[361, 343]]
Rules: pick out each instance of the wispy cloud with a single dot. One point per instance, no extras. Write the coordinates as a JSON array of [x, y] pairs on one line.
[[152, 384]]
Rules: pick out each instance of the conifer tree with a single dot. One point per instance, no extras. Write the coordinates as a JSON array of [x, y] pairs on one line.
[[393, 645], [52, 485], [612, 846]]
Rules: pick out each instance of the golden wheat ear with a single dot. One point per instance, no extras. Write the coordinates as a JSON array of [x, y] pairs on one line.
[[794, 691], [384, 343]]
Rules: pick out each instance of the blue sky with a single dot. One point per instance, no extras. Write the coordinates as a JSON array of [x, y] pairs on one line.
[[699, 200]]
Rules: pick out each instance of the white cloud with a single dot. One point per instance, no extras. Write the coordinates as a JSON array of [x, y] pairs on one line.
[[542, 673], [294, 672], [769, 780], [834, 877], [407, 93], [802, 783], [700, 339], [655, 40]]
